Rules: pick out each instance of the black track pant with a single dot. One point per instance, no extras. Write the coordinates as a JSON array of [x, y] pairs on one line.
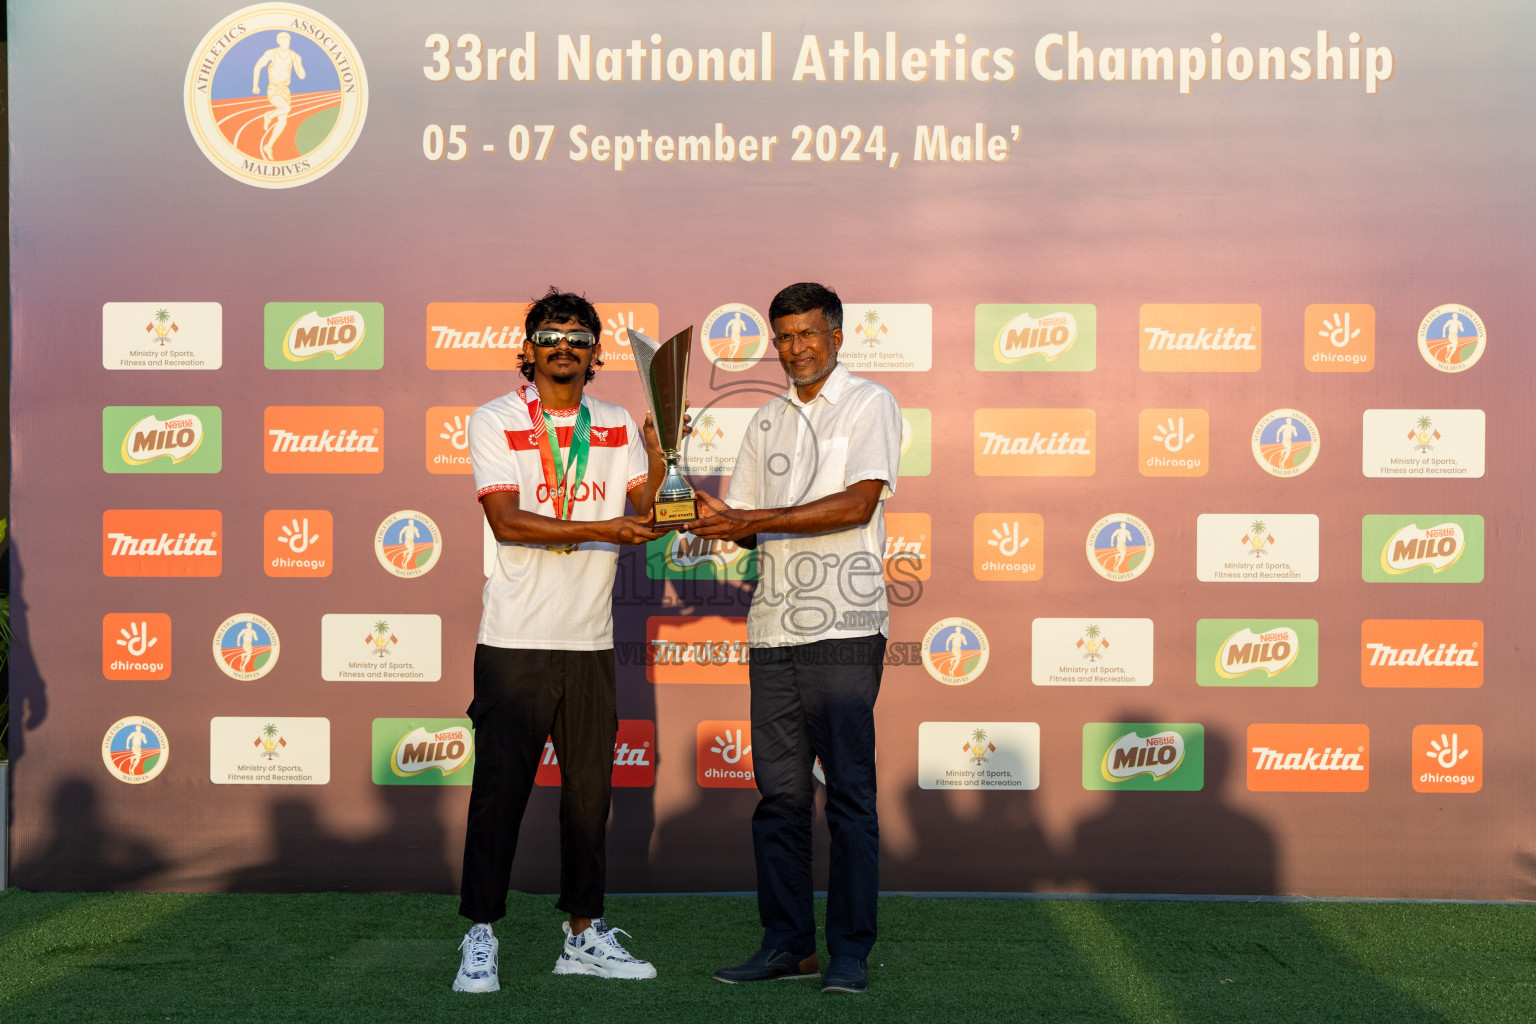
[[522, 697]]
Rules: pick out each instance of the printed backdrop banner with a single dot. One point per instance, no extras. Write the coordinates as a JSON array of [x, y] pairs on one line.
[[1206, 555]]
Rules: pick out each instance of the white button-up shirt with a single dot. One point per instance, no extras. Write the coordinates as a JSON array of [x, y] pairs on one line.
[[819, 586]]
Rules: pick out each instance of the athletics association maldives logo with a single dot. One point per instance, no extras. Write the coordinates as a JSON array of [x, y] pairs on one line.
[[1120, 547], [1452, 338], [408, 544], [246, 647], [955, 651], [135, 750], [306, 119], [735, 337], [1286, 443]]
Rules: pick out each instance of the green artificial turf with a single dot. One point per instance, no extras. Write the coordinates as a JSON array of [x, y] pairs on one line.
[[346, 958]]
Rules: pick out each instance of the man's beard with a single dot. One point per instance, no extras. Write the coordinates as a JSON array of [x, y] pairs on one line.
[[815, 376]]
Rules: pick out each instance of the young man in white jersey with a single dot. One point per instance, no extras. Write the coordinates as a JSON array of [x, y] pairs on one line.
[[553, 467]]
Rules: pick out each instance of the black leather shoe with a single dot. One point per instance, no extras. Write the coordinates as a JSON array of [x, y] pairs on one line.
[[768, 964], [846, 974]]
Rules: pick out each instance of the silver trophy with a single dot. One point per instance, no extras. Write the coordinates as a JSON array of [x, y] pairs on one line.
[[664, 376]]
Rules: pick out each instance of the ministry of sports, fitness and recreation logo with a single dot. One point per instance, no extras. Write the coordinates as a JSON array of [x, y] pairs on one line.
[[1286, 443], [1120, 547], [135, 749], [955, 651], [1452, 338], [246, 647], [735, 337], [408, 544], [308, 116]]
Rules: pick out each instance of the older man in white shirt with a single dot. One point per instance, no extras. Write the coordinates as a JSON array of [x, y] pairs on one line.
[[815, 468]]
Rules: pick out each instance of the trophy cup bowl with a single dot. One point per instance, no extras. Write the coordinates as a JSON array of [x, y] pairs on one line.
[[664, 378]]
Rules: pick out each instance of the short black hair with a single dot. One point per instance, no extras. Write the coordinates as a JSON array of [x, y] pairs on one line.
[[805, 297], [559, 306]]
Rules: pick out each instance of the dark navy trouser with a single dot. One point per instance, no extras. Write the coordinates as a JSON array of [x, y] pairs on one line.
[[523, 697], [808, 701]]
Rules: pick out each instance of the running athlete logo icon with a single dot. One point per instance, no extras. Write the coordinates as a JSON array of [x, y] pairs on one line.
[[305, 120], [1120, 547], [735, 337], [955, 651], [1286, 443], [246, 647], [1452, 338], [408, 544], [135, 750]]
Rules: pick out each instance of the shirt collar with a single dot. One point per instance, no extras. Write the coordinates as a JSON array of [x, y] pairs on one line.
[[832, 389]]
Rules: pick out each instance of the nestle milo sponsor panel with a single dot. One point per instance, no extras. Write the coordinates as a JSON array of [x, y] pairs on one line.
[[423, 752]]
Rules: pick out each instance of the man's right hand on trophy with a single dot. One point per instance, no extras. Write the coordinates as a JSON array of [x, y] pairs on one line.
[[653, 441], [718, 521]]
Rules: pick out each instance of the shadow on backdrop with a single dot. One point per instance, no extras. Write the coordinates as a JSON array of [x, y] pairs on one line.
[[1174, 842], [406, 855], [995, 845], [85, 851]]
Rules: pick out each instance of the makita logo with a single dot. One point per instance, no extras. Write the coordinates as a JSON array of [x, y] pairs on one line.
[[1246, 651], [1056, 443], [162, 542], [506, 336], [326, 442], [1421, 652], [183, 545], [633, 763], [624, 755], [324, 439], [1442, 656], [337, 333], [1438, 547], [175, 438], [1307, 758], [901, 546], [1329, 759], [1221, 339], [699, 652]]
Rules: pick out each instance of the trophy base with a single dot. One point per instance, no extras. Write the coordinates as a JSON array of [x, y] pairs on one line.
[[683, 510]]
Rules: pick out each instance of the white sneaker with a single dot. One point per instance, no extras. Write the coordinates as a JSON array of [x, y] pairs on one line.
[[477, 971], [597, 951]]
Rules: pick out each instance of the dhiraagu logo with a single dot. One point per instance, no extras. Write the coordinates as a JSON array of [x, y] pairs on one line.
[[1256, 652], [1421, 549], [324, 335], [162, 439], [1054, 337], [1144, 755]]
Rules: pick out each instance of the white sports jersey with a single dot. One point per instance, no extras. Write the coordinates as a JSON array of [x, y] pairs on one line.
[[538, 598]]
